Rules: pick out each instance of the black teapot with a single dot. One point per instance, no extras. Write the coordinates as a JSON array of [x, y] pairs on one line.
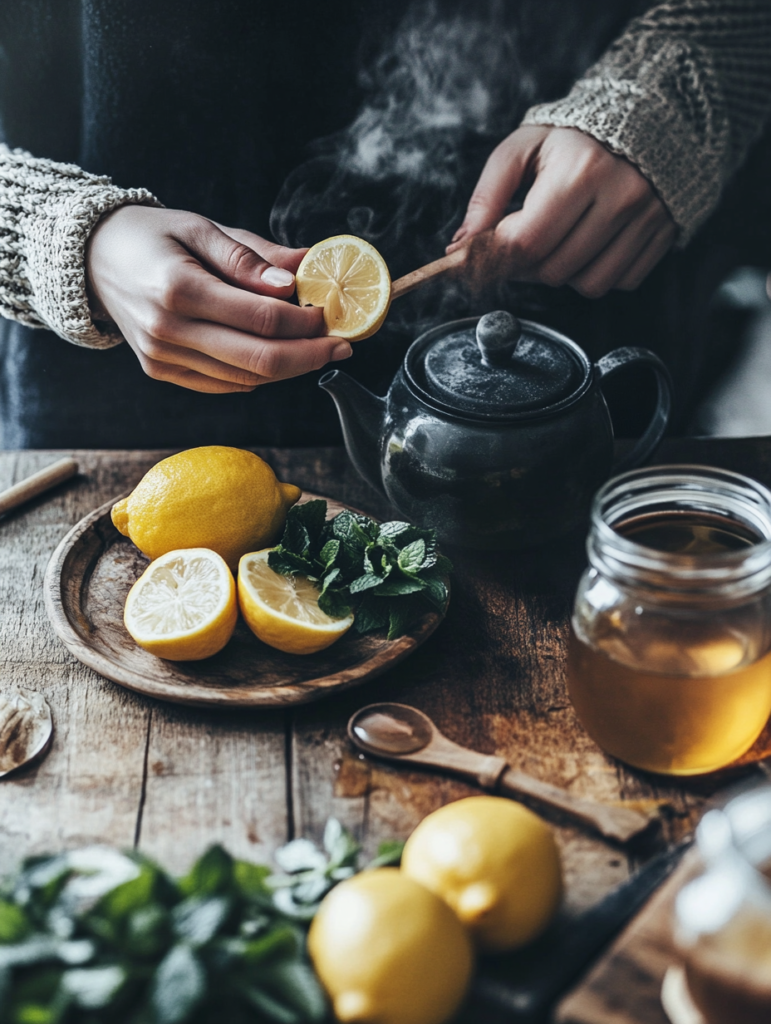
[[495, 431]]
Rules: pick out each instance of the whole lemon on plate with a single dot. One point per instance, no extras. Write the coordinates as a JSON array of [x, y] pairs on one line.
[[349, 278], [388, 951], [283, 611], [494, 862], [226, 499], [183, 607]]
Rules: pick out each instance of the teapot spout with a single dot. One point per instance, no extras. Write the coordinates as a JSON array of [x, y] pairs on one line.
[[362, 416]]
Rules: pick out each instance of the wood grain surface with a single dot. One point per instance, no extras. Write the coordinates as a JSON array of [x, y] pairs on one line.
[[85, 589], [129, 770]]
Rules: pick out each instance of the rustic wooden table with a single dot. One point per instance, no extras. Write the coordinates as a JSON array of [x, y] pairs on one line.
[[171, 781]]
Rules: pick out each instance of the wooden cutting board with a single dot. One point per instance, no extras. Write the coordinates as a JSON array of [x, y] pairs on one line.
[[624, 987]]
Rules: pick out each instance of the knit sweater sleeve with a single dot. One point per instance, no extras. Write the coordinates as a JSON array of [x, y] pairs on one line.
[[682, 94], [47, 211]]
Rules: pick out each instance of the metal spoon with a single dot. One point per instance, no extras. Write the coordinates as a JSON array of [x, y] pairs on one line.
[[399, 732]]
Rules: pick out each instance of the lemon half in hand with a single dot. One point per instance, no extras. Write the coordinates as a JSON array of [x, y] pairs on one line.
[[183, 607], [350, 279], [283, 611]]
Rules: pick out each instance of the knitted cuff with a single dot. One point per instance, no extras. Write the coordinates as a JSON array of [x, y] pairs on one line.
[[57, 236], [47, 211], [657, 103]]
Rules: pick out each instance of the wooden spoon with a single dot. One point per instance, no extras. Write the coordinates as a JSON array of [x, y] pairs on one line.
[[399, 732]]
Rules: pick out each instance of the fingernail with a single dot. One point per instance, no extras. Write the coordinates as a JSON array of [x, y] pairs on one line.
[[460, 233], [277, 278], [341, 351]]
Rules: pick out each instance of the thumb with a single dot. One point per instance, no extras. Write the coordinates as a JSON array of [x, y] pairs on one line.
[[236, 262], [506, 168]]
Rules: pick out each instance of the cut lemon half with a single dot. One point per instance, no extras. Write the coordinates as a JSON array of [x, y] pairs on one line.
[[350, 279], [183, 607], [283, 611]]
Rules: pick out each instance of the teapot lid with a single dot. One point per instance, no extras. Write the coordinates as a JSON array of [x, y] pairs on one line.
[[497, 367]]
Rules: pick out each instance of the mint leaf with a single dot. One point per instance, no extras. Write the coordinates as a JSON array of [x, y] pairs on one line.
[[286, 563], [370, 615], [14, 925], [349, 528], [340, 845], [212, 873], [296, 984], [366, 582], [250, 878], [328, 579], [398, 587], [400, 615], [197, 920], [335, 604], [178, 986], [412, 557], [389, 853], [312, 515], [391, 531], [436, 591], [329, 552]]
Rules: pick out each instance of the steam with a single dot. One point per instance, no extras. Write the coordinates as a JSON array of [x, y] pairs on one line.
[[451, 82]]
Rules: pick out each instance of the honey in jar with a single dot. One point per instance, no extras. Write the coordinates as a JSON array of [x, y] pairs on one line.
[[669, 660]]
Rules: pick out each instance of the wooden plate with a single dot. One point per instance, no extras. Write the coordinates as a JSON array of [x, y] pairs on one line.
[[86, 584]]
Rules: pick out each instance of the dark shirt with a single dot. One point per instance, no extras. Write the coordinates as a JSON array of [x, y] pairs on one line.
[[214, 105]]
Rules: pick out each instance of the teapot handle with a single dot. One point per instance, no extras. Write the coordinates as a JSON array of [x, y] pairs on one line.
[[620, 359]]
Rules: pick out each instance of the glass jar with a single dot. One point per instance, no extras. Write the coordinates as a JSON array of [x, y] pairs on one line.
[[723, 917], [669, 666]]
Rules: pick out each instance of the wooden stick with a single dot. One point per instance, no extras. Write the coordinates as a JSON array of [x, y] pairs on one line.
[[36, 484], [410, 282]]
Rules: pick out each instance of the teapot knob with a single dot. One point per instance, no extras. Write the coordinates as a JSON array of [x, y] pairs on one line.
[[497, 336]]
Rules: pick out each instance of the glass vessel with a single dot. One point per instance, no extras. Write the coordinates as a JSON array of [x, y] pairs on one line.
[[723, 917], [669, 666]]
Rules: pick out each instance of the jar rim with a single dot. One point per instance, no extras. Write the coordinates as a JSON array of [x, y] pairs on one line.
[[705, 488]]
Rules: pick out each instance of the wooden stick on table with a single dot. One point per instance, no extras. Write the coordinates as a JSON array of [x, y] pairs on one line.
[[36, 484]]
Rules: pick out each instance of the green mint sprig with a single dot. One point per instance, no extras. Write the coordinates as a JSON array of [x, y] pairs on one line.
[[95, 936], [98, 937], [387, 573]]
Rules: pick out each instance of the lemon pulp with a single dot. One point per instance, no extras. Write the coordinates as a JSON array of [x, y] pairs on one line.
[[183, 607], [283, 611], [350, 279]]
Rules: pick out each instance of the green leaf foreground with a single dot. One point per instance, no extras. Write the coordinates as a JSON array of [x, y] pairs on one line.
[[388, 574], [99, 937]]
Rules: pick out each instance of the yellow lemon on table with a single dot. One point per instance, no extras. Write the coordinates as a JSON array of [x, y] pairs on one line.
[[494, 862], [283, 611], [350, 279], [226, 499], [388, 951], [183, 607]]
